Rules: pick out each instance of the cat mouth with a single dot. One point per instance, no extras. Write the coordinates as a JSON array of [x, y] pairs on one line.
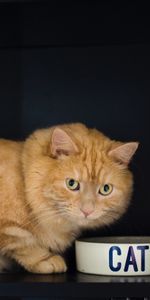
[[92, 217], [89, 218]]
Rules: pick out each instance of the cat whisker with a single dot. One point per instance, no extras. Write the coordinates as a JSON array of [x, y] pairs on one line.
[[45, 218]]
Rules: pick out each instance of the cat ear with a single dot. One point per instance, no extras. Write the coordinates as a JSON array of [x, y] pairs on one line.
[[61, 143], [124, 152]]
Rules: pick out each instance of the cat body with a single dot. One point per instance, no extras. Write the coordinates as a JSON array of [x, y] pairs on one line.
[[58, 182]]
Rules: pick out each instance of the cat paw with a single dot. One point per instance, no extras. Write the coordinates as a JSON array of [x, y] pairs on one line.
[[54, 264], [58, 264]]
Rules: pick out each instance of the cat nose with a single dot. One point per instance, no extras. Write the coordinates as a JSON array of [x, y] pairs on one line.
[[87, 212]]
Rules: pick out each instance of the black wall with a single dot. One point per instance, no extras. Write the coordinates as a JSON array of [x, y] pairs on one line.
[[84, 61]]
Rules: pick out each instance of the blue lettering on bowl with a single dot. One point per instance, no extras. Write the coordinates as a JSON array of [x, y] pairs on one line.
[[130, 259], [111, 258]]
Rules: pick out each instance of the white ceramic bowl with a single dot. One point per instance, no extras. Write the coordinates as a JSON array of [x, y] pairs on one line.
[[127, 256]]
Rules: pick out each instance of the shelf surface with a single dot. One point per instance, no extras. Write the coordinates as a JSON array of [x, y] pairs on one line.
[[73, 285]]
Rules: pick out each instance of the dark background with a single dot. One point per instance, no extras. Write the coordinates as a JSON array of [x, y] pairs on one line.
[[80, 61]]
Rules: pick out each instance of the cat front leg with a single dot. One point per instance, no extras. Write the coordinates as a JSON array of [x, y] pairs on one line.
[[21, 245], [40, 260], [52, 264]]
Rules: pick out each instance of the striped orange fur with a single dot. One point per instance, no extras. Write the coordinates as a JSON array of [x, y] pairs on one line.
[[39, 215]]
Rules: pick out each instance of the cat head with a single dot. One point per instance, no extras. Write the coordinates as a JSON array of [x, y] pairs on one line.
[[82, 175]]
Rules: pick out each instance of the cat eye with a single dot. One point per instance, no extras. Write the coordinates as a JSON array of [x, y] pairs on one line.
[[72, 184], [105, 189]]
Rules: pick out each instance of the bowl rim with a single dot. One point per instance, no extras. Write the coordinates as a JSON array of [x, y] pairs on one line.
[[126, 240]]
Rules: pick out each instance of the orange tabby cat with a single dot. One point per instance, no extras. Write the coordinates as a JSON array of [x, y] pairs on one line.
[[58, 182]]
